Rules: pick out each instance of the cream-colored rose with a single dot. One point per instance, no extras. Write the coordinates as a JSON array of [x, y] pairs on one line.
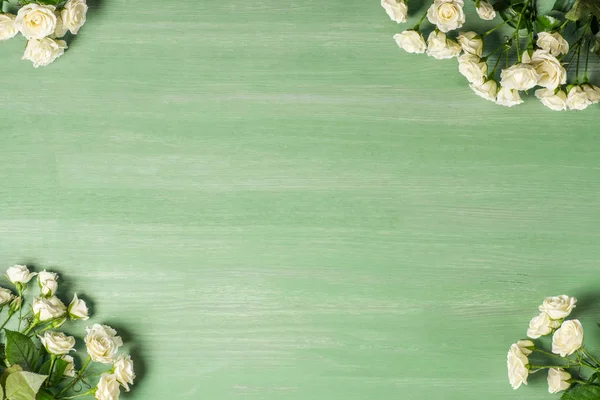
[[471, 43], [577, 99], [19, 274], [541, 325], [411, 41], [78, 309], [558, 307], [519, 77], [5, 296], [517, 367], [70, 369], [447, 15], [568, 338], [396, 10], [60, 30], [44, 51], [488, 90], [508, 97], [7, 26], [592, 92], [108, 387], [36, 21], [438, 46], [48, 282], [526, 346], [486, 11], [473, 68], [553, 43], [102, 343], [57, 343], [557, 380], [47, 309], [554, 101], [550, 71], [124, 371], [73, 15]]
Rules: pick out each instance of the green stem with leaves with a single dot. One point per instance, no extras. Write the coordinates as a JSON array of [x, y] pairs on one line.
[[77, 378]]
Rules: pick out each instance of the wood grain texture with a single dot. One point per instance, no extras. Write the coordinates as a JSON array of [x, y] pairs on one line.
[[273, 202]]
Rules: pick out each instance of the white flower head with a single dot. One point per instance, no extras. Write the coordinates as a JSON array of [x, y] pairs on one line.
[[554, 101], [5, 296], [57, 343], [102, 343], [488, 90], [78, 309], [108, 387], [486, 11], [395, 9], [48, 282], [447, 15], [19, 274], [519, 77], [558, 380], [46, 309], [508, 97], [541, 325], [473, 68], [73, 15], [36, 21], [577, 98], [553, 43], [44, 51], [558, 307], [592, 92], [471, 43], [411, 41], [526, 346], [440, 47], [568, 338], [124, 371], [8, 28], [517, 364], [550, 71], [70, 369]]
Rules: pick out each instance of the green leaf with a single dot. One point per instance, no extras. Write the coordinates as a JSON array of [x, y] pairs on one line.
[[20, 349], [582, 392], [45, 394], [510, 15], [563, 5], [547, 23], [7, 372], [58, 371], [577, 11], [23, 385]]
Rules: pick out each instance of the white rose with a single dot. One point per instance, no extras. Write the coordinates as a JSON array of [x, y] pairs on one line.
[[550, 70], [541, 325], [60, 30], [124, 371], [592, 92], [7, 26], [411, 41], [47, 309], [577, 99], [57, 343], [554, 101], [438, 46], [519, 77], [488, 90], [558, 307], [471, 43], [5, 296], [472, 68], [396, 10], [70, 369], [102, 343], [553, 43], [48, 282], [517, 366], [78, 309], [44, 51], [557, 380], [36, 21], [526, 346], [508, 97], [447, 15], [486, 11], [19, 274], [108, 387], [73, 15], [568, 338]]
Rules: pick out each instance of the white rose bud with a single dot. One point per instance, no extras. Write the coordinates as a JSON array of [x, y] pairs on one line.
[[488, 90], [554, 101], [396, 10], [60, 30], [553, 43], [508, 97], [486, 11], [7, 26], [541, 325], [550, 70], [517, 367], [5, 296], [48, 282], [519, 77], [70, 369], [57, 343], [78, 309], [108, 387], [73, 15], [471, 43], [473, 68], [438, 46], [19, 274], [526, 346], [102, 343], [124, 371], [44, 51], [592, 92], [558, 307], [411, 41], [47, 309], [568, 338], [557, 380], [447, 15], [577, 99], [36, 21]]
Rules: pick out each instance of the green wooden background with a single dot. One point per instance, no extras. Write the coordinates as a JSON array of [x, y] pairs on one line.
[[271, 201]]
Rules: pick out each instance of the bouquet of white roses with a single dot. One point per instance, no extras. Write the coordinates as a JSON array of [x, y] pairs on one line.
[[571, 367], [43, 23], [550, 52], [34, 356]]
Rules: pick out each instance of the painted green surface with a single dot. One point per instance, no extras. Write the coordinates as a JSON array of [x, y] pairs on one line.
[[274, 202]]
